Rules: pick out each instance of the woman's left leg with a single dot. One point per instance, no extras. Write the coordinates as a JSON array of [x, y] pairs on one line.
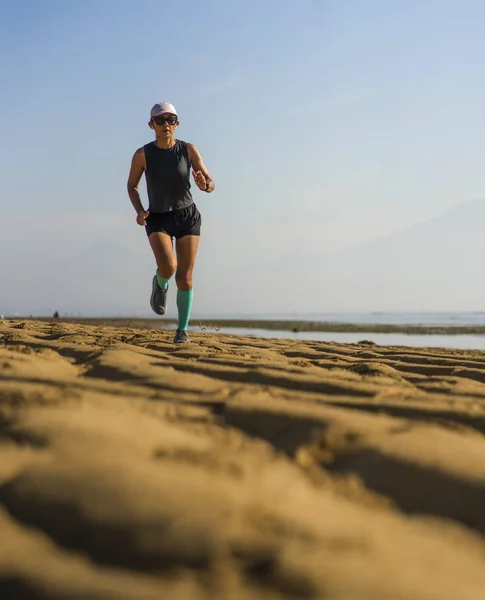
[[186, 249]]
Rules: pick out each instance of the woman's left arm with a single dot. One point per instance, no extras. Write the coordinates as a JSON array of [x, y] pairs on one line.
[[201, 174]]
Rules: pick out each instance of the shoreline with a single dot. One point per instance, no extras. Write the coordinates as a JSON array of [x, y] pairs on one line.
[[294, 326]]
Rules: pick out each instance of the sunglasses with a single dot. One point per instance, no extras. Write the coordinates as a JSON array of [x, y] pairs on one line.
[[163, 120]]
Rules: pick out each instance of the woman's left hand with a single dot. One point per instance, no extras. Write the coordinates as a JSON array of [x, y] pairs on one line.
[[200, 179]]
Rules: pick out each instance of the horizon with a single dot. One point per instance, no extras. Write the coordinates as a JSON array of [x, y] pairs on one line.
[[245, 316]]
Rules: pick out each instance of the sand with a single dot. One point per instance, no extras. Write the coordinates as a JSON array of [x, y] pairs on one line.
[[237, 468]]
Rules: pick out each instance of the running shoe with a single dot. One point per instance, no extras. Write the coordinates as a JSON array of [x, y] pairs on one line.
[[158, 299], [181, 337]]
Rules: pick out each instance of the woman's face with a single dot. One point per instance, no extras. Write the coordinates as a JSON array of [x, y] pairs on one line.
[[164, 125]]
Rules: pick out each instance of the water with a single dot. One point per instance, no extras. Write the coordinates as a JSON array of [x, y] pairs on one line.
[[384, 318], [464, 342], [456, 319]]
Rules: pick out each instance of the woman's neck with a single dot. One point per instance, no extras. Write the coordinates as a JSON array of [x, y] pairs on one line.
[[165, 143]]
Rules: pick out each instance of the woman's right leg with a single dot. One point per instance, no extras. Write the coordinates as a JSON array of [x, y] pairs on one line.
[[161, 244], [162, 247]]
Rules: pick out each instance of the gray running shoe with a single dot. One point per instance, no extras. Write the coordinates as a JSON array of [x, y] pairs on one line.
[[158, 299], [181, 337]]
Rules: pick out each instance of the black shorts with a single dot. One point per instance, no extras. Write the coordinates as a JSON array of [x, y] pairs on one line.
[[175, 223]]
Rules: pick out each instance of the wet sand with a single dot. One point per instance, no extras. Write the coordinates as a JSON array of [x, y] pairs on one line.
[[237, 467]]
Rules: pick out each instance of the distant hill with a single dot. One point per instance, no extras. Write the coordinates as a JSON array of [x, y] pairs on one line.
[[433, 265]]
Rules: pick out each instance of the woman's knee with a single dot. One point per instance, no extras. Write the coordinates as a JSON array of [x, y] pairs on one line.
[[166, 269], [184, 279]]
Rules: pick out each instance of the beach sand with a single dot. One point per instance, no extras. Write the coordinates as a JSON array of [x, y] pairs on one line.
[[237, 468]]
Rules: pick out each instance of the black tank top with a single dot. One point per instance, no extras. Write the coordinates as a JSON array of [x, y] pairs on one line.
[[168, 177]]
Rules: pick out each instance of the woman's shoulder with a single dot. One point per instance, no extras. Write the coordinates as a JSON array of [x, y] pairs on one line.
[[184, 147], [187, 146]]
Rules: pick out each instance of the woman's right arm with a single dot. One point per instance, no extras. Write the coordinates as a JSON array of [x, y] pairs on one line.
[[136, 171]]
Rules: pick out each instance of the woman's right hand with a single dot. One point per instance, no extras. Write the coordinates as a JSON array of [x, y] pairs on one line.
[[141, 218]]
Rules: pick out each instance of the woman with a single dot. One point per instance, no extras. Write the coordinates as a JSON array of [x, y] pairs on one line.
[[171, 212]]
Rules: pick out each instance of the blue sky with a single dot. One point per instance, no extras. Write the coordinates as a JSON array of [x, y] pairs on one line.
[[324, 123]]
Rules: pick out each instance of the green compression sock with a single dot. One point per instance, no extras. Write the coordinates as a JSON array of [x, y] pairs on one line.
[[184, 305], [162, 281]]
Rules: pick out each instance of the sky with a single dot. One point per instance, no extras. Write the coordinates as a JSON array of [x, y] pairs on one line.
[[325, 124]]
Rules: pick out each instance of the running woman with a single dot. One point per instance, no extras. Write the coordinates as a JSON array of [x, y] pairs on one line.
[[171, 213]]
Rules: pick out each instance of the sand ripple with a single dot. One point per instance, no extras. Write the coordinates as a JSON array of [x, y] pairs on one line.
[[237, 468]]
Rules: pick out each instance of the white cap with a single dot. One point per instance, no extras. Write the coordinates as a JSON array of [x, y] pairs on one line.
[[162, 107]]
